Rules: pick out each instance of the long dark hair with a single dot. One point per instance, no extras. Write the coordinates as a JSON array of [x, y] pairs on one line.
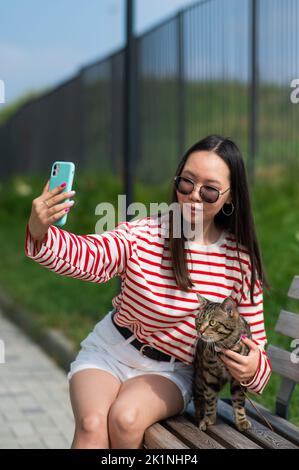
[[240, 223]]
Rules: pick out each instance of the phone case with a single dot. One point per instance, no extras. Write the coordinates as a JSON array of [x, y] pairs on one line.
[[62, 172]]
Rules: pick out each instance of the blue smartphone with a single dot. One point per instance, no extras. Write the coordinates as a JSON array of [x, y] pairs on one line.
[[62, 172]]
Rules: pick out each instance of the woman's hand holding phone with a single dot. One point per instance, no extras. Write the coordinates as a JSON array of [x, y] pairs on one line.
[[47, 209]]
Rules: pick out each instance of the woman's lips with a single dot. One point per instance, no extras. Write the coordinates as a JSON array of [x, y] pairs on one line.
[[194, 210]]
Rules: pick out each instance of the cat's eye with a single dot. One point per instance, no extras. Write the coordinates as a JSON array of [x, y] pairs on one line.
[[213, 322]]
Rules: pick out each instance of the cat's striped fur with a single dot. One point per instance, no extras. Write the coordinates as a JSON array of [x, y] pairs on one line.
[[218, 325]]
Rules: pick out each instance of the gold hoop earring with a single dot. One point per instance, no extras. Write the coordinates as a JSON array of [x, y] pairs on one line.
[[225, 213]]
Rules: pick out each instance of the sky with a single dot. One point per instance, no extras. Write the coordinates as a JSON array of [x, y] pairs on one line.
[[45, 42]]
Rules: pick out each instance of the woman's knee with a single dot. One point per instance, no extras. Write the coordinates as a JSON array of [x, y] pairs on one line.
[[92, 423], [124, 418], [91, 432]]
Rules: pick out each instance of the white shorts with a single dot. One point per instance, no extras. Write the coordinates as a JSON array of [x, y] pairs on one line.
[[106, 349]]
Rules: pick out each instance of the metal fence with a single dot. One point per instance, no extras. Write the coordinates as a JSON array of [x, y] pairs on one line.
[[219, 66]]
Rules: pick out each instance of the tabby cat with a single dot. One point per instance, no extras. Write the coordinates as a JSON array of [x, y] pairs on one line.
[[218, 325]]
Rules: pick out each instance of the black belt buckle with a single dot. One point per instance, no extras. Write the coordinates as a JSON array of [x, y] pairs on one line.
[[147, 354]]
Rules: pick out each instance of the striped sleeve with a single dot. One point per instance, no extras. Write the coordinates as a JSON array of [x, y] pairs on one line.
[[253, 314], [94, 258]]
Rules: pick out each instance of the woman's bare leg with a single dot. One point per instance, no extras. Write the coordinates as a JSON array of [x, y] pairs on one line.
[[141, 401], [92, 391]]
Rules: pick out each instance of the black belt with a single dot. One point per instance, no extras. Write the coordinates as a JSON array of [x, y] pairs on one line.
[[145, 349]]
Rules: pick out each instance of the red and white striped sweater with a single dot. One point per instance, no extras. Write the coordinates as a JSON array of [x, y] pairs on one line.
[[150, 303]]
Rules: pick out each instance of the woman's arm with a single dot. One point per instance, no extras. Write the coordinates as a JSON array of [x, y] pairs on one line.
[[255, 367], [95, 258], [254, 315]]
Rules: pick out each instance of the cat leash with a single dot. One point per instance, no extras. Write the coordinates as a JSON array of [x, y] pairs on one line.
[[243, 388], [257, 410]]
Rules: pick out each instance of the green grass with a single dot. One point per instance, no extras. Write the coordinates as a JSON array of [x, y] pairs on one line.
[[75, 306]]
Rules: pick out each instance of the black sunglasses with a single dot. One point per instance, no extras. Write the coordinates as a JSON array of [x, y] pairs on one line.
[[207, 193]]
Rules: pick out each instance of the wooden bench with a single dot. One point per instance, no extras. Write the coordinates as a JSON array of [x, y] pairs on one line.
[[180, 432]]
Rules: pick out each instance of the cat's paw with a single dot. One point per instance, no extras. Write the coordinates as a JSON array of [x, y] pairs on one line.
[[205, 422], [243, 425]]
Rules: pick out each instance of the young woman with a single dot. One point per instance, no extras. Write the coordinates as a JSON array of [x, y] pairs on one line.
[[135, 368]]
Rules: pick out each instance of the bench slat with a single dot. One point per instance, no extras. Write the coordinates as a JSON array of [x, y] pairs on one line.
[[294, 288], [157, 437], [231, 437], [280, 425], [288, 324], [225, 434], [259, 433], [281, 363], [186, 430]]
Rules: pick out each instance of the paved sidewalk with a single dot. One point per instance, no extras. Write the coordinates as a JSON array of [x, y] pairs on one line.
[[35, 410]]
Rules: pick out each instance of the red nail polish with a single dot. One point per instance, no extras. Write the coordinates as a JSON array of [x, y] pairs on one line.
[[63, 185], [67, 209], [243, 336]]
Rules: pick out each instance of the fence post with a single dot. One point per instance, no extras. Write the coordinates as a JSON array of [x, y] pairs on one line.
[[129, 122], [253, 91], [181, 83], [113, 114]]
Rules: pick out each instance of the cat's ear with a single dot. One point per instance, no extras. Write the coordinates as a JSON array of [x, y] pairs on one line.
[[202, 304], [202, 300], [229, 306]]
